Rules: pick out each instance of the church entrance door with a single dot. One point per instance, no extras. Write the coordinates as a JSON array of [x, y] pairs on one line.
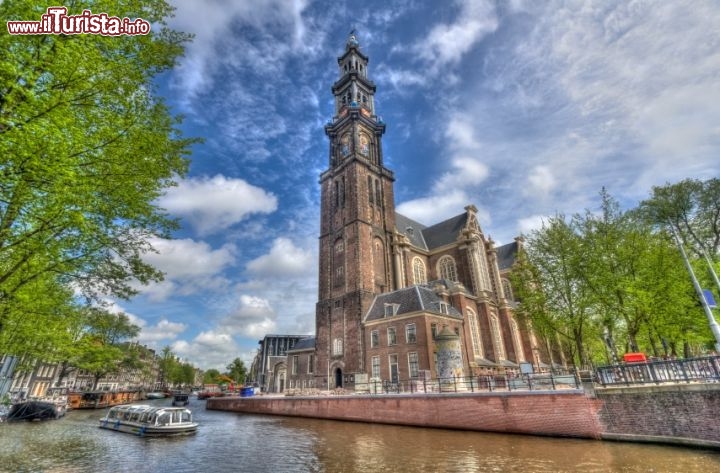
[[338, 378]]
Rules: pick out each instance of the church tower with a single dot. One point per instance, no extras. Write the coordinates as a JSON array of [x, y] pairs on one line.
[[356, 223]]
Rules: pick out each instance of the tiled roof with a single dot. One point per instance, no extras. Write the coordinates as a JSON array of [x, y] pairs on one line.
[[428, 238], [409, 299], [445, 232], [304, 344], [506, 255], [411, 229]]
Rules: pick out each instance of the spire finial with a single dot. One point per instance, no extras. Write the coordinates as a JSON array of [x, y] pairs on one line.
[[352, 40]]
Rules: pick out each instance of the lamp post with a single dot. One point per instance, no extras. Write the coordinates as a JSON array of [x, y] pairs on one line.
[[706, 307]]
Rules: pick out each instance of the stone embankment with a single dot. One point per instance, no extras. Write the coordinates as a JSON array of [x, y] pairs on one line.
[[684, 414]]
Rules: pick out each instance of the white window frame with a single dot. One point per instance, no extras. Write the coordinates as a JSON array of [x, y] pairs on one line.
[[374, 338], [392, 340], [410, 329], [447, 269], [413, 364], [375, 367], [337, 347]]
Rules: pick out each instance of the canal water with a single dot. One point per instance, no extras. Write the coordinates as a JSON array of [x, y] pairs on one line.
[[244, 443]]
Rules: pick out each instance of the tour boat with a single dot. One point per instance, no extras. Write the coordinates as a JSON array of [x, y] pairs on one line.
[[149, 421]]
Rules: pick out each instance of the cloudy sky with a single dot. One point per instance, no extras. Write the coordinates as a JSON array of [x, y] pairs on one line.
[[523, 108]]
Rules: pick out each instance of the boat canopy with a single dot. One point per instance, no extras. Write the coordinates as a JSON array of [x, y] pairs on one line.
[[144, 413]]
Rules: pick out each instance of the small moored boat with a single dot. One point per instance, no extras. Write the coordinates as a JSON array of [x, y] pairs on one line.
[[181, 399], [35, 410], [149, 421], [156, 395]]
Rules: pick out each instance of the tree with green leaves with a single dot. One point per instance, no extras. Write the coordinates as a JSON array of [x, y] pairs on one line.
[[549, 281], [693, 208], [86, 148], [211, 376], [101, 348], [604, 282], [237, 371]]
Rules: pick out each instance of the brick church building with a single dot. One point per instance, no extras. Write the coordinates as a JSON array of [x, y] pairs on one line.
[[390, 285]]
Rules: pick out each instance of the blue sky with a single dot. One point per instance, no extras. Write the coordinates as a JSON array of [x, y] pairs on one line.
[[522, 108]]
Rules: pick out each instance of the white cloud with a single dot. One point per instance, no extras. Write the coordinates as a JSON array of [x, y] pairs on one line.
[[438, 207], [189, 266], [151, 334], [163, 330], [541, 181], [528, 224], [209, 349], [212, 22], [283, 260], [446, 43], [620, 95], [214, 204]]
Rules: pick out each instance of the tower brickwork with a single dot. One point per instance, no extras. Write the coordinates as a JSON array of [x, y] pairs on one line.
[[357, 218], [387, 284]]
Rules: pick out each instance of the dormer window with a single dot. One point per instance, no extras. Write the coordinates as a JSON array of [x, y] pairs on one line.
[[391, 309], [444, 307]]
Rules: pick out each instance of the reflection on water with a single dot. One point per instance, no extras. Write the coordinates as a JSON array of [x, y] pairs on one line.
[[236, 442]]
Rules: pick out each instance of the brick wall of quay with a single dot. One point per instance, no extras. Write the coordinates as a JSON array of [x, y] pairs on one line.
[[685, 414], [558, 413], [682, 414]]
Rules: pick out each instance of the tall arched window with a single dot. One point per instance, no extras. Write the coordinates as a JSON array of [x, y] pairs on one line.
[[507, 290], [499, 347], [446, 268], [419, 275], [379, 261], [475, 334], [338, 346]]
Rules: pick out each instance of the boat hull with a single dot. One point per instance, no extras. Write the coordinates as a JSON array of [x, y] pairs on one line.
[[142, 430], [34, 410], [149, 421]]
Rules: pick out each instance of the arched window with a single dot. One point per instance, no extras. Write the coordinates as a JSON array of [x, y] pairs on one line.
[[507, 290], [475, 334], [419, 276], [446, 268], [378, 201], [338, 346], [379, 261], [499, 347], [339, 246]]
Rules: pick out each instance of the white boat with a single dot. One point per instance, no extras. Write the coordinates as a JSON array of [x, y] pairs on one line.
[[156, 395], [149, 421]]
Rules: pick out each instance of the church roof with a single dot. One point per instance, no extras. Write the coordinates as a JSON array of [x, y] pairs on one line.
[[411, 229], [307, 343], [420, 298], [435, 236], [445, 232], [506, 255]]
